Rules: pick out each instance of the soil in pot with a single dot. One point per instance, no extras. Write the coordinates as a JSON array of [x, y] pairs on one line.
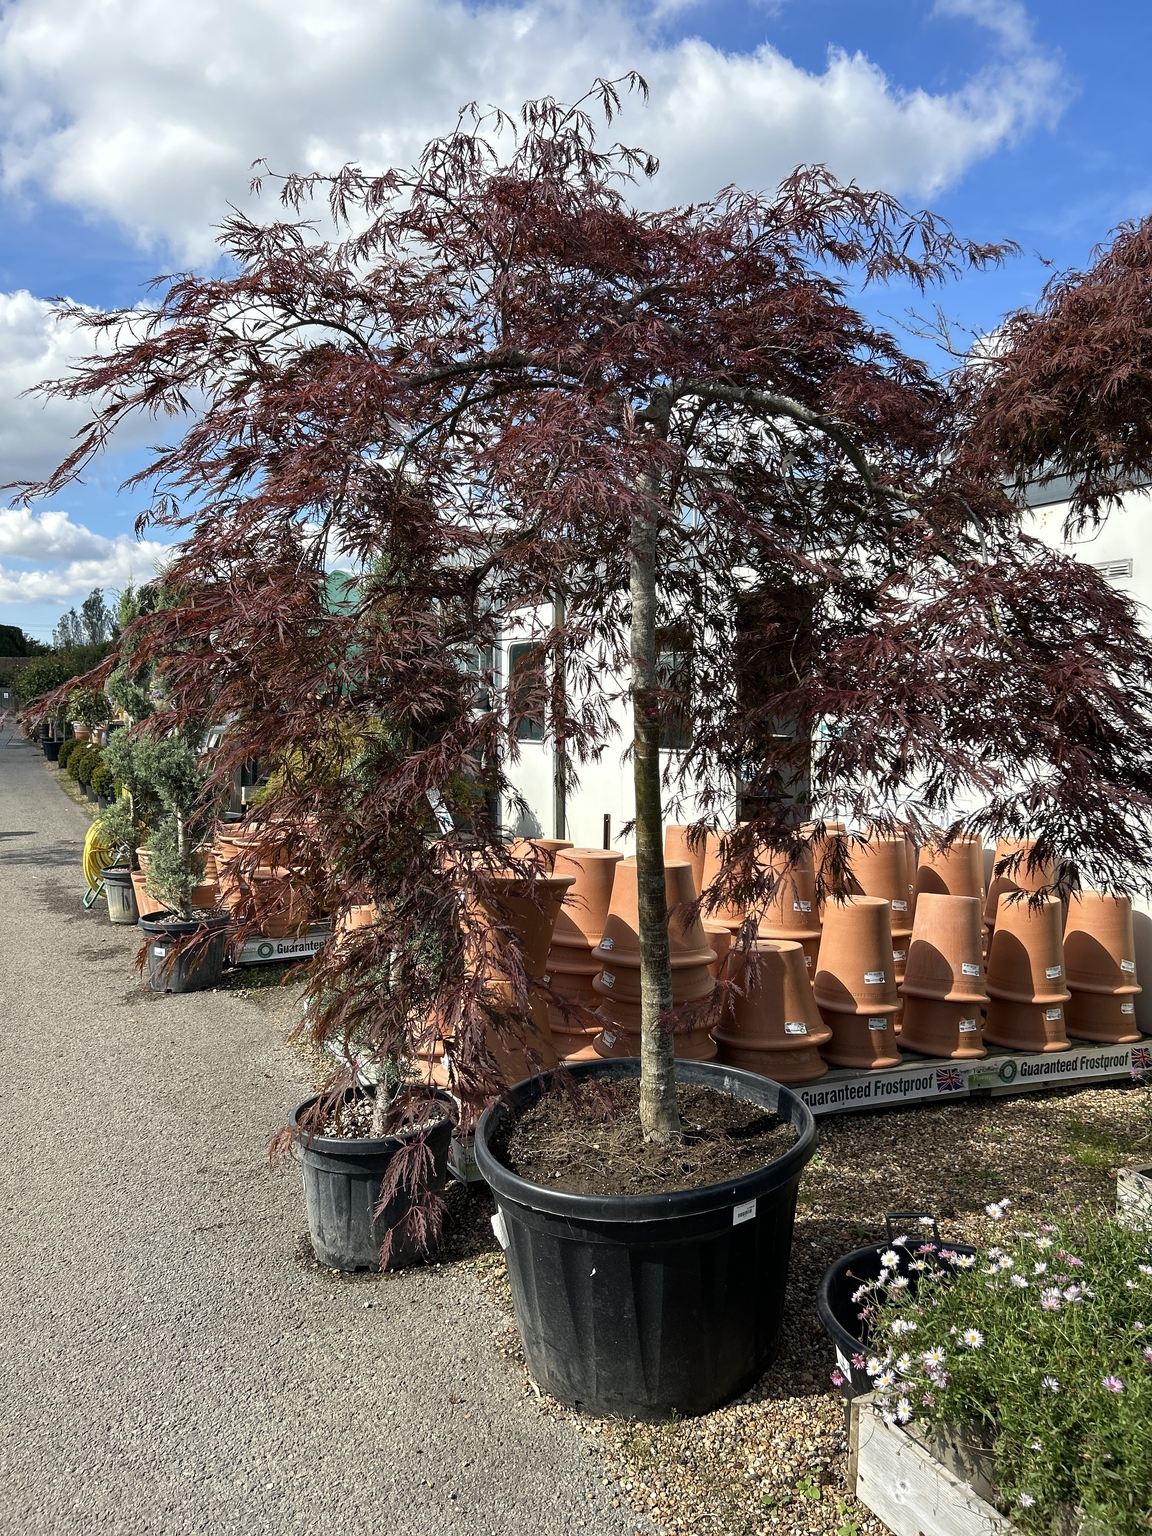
[[588, 1140]]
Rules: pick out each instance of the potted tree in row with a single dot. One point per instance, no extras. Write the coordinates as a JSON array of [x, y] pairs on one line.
[[626, 426]]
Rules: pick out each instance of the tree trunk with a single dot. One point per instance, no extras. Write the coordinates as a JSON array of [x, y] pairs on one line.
[[185, 863], [659, 1114]]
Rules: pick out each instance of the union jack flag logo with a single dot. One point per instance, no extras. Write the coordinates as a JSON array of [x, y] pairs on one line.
[[949, 1080], [1141, 1058]]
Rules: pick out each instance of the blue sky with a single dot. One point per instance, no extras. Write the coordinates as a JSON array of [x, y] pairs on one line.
[[126, 126]]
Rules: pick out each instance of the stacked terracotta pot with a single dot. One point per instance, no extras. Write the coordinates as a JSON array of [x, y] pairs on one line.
[[943, 985], [538, 851], [281, 907], [1017, 876], [1100, 969], [793, 914], [579, 926], [957, 870], [879, 867], [1026, 976], [772, 1024], [679, 846], [855, 985], [731, 916], [618, 952]]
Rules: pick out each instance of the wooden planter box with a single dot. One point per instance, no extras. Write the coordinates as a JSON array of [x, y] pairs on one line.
[[901, 1481]]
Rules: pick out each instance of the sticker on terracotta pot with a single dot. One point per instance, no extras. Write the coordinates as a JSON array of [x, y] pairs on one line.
[[967, 1026], [1052, 1014], [874, 978], [967, 968], [1124, 1008], [877, 1024], [607, 979], [1051, 972], [1128, 965], [745, 1212], [608, 943], [899, 906], [808, 961], [899, 956], [795, 1027], [801, 906], [608, 1038], [546, 979]]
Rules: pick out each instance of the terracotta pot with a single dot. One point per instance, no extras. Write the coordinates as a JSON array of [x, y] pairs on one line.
[[690, 1043], [773, 1025], [1017, 878], [793, 914], [945, 960], [282, 909], [146, 904], [508, 903], [957, 870], [1026, 956], [83, 733], [539, 851], [678, 847], [144, 859], [719, 939], [362, 915], [206, 895], [581, 919], [1099, 946], [207, 856], [937, 1028], [732, 916], [620, 942], [690, 983], [879, 867], [855, 984], [1032, 1027], [855, 973], [1107, 1018]]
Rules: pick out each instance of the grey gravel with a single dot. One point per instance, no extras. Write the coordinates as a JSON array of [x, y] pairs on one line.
[[168, 1366]]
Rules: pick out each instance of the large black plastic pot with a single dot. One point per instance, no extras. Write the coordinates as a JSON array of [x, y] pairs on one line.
[[51, 749], [840, 1314], [342, 1183], [650, 1305], [193, 970]]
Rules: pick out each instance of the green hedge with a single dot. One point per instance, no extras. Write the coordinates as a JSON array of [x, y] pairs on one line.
[[66, 751], [82, 764], [102, 781]]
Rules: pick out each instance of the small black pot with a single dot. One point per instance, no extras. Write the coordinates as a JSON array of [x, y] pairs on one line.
[[51, 749], [650, 1306], [840, 1315], [104, 802], [194, 970], [342, 1182], [90, 792]]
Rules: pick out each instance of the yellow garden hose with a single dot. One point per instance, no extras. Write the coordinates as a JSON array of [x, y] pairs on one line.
[[98, 855]]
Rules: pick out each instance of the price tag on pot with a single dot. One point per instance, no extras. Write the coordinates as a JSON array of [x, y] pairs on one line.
[[1052, 972], [969, 968], [607, 979], [899, 956], [877, 1024], [159, 951], [546, 980], [899, 906], [1052, 1014], [608, 1038], [1128, 965], [795, 1027], [500, 1229], [874, 978], [745, 1212], [1124, 1008], [967, 1026], [801, 906], [608, 943]]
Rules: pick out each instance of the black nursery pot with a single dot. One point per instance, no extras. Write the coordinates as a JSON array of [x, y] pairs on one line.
[[342, 1182], [650, 1306], [840, 1315], [194, 970], [51, 749]]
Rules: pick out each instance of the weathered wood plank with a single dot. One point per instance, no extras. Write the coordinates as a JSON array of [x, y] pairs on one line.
[[908, 1488], [1134, 1198]]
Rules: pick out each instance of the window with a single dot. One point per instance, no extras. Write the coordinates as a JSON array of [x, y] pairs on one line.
[[674, 673], [523, 681]]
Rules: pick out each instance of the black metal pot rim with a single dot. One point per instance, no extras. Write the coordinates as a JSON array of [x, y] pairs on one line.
[[173, 923], [645, 1208], [362, 1146]]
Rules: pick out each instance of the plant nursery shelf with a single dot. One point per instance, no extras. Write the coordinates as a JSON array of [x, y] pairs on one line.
[[924, 1079], [262, 951]]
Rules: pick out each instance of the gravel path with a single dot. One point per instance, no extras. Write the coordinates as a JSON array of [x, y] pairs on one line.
[[168, 1364]]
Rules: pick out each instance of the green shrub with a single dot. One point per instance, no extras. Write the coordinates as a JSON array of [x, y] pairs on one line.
[[102, 781], [1042, 1346], [66, 751], [82, 763]]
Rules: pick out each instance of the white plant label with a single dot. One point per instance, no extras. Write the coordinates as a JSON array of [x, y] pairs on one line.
[[1052, 1014], [801, 906], [1128, 965], [1051, 972], [874, 978], [745, 1212], [159, 952], [808, 961], [607, 979], [795, 1027], [877, 1024], [899, 906], [899, 956], [500, 1229], [546, 980], [968, 969], [608, 1038], [608, 943], [1124, 1008], [967, 1026]]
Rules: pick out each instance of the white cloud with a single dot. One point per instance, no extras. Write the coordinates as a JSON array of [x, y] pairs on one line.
[[76, 559], [151, 111]]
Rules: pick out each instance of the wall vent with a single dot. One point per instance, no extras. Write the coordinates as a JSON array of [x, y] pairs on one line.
[[1113, 570]]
